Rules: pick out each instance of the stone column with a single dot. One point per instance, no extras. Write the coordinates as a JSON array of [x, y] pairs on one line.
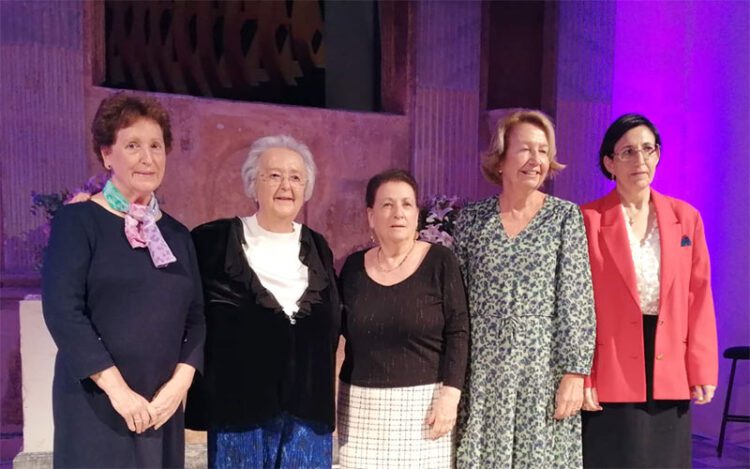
[[445, 110], [45, 75], [583, 103]]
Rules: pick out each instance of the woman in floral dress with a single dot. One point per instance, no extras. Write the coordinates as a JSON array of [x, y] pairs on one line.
[[525, 263]]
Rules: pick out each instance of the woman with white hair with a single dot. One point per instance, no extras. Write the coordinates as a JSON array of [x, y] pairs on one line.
[[266, 397]]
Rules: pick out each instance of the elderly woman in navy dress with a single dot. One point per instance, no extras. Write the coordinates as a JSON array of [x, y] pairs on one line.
[[122, 300], [273, 315]]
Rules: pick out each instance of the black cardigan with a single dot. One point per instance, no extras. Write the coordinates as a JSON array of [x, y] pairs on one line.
[[258, 362]]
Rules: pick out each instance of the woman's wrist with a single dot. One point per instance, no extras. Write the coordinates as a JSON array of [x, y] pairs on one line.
[[109, 380], [183, 376], [450, 392]]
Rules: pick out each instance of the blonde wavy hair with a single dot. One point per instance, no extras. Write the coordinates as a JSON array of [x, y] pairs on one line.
[[495, 155]]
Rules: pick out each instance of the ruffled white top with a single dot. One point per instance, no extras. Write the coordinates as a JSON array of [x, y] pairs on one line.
[[647, 261], [274, 257]]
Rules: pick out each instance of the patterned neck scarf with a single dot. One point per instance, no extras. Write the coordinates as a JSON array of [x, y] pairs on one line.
[[140, 225]]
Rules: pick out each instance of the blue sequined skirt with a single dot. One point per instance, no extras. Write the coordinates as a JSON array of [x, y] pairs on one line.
[[283, 442]]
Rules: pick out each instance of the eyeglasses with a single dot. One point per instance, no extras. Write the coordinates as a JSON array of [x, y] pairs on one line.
[[650, 151], [275, 178]]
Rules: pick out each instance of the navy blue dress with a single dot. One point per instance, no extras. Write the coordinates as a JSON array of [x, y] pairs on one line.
[[106, 304]]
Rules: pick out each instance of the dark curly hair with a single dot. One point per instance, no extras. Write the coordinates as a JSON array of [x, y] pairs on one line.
[[390, 175], [122, 110]]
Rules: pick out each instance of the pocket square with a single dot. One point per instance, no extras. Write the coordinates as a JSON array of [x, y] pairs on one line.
[[685, 241]]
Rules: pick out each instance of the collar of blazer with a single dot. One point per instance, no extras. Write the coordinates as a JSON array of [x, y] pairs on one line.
[[615, 236]]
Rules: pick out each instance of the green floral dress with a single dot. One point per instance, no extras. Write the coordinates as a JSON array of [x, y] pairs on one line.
[[532, 320]]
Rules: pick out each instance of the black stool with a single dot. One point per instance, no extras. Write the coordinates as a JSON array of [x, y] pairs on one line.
[[734, 354]]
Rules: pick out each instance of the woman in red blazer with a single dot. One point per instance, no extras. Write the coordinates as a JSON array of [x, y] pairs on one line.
[[656, 332]]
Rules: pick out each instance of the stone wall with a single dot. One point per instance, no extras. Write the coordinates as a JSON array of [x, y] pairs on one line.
[[211, 140]]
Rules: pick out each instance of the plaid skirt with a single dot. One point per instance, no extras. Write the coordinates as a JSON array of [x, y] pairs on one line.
[[385, 427]]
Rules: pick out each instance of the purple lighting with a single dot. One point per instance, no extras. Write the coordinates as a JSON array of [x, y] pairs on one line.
[[686, 66]]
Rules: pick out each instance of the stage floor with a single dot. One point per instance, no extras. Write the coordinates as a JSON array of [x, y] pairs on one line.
[[704, 455]]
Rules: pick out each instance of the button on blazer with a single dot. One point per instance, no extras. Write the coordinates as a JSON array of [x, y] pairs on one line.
[[686, 346]]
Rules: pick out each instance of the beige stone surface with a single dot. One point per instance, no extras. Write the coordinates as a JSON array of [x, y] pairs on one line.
[[211, 140], [192, 436], [195, 458], [37, 367]]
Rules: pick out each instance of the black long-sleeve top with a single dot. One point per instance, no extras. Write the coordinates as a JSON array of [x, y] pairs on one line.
[[258, 363], [408, 334]]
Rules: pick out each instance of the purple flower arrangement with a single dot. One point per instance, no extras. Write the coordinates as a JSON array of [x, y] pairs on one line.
[[48, 204], [437, 219]]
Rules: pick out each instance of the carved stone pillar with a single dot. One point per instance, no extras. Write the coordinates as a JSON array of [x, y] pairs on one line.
[[431, 73], [445, 110], [584, 77], [45, 71]]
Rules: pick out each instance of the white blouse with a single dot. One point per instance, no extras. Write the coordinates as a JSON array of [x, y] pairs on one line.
[[274, 257], [647, 262]]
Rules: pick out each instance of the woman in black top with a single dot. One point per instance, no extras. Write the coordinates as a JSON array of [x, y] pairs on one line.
[[406, 329], [273, 318]]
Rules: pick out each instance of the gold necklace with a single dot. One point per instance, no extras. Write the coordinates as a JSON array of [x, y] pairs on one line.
[[631, 218], [380, 265]]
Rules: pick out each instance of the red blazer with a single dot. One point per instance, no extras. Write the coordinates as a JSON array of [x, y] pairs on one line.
[[686, 349]]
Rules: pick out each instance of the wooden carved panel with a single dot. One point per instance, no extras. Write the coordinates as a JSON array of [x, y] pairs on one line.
[[241, 50]]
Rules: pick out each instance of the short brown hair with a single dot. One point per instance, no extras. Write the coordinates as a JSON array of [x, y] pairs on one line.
[[390, 175], [496, 153], [121, 110]]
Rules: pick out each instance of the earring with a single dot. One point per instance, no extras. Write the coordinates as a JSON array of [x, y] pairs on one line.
[[372, 237]]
